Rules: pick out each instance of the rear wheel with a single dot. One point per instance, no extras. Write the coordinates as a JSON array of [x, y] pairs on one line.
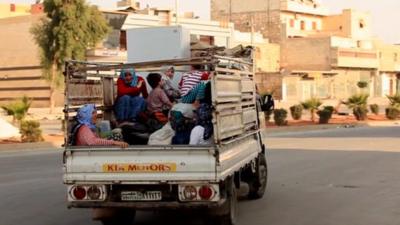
[[229, 211], [258, 184], [121, 217]]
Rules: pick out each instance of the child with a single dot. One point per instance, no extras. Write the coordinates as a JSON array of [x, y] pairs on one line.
[[158, 101]]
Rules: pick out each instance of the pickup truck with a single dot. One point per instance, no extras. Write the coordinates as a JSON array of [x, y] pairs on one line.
[[117, 182]]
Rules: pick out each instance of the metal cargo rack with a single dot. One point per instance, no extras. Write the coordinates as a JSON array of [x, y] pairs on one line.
[[233, 91]]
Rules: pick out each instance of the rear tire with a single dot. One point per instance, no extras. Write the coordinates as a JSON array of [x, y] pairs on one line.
[[121, 217], [258, 184], [230, 208]]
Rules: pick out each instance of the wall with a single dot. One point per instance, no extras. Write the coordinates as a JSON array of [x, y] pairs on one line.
[[304, 6], [348, 24], [20, 72], [269, 58], [240, 6], [389, 57], [361, 24], [270, 82], [265, 20], [195, 26], [20, 10], [297, 19], [306, 54]]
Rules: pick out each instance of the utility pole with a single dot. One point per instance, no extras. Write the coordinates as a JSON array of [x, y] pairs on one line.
[[230, 10], [252, 29], [176, 12], [268, 16]]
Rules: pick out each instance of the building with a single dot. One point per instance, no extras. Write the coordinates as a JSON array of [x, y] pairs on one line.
[[322, 55], [20, 70], [13, 10], [389, 68], [125, 17]]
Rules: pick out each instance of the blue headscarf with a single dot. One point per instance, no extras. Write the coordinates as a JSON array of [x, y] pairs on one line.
[[135, 78], [84, 115]]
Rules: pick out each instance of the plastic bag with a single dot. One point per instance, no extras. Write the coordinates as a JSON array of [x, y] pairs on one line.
[[162, 136]]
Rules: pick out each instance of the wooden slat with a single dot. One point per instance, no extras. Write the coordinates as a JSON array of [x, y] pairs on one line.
[[24, 88], [234, 71], [20, 68], [22, 78]]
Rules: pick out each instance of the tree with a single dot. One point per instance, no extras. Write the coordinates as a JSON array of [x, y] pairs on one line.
[[68, 30], [312, 105], [358, 103]]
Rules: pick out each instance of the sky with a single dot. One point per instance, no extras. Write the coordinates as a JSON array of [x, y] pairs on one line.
[[384, 12]]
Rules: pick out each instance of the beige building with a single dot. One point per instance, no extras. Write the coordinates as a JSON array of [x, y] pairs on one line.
[[20, 71], [12, 10], [389, 68], [322, 55]]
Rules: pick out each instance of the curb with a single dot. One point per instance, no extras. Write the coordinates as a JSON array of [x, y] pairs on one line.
[[19, 147], [271, 132]]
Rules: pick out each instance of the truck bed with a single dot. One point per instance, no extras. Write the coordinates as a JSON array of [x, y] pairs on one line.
[[158, 164], [139, 164]]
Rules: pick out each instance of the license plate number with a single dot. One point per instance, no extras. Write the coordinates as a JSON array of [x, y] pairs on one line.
[[141, 196]]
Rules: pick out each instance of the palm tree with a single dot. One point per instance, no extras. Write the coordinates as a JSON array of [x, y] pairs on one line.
[[312, 105], [394, 100], [358, 103]]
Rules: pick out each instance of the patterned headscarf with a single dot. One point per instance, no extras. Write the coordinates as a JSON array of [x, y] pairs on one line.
[[135, 78], [204, 119], [84, 115]]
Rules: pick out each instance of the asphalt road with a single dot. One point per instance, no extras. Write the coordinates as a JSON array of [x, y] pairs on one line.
[[341, 176]]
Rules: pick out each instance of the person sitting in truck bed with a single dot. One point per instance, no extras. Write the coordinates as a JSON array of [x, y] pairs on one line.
[[167, 84], [85, 132], [202, 133], [192, 85], [131, 96], [158, 103]]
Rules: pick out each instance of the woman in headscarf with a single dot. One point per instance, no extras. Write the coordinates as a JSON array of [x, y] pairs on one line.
[[202, 133], [132, 93], [170, 89], [86, 129]]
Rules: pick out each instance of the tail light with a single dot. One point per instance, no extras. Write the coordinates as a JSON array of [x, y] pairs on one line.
[[206, 192], [190, 193], [199, 192], [87, 193], [79, 193], [94, 192]]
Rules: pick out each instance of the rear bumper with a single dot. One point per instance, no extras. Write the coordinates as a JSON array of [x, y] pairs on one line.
[[148, 205]]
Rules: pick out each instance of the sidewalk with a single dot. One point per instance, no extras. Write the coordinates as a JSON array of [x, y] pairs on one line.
[[272, 131]]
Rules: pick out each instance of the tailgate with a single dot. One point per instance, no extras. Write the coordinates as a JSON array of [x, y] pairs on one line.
[[139, 164]]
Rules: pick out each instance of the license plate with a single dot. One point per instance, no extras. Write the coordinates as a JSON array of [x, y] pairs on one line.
[[141, 196]]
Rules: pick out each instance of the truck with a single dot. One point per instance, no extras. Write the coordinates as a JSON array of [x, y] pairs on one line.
[[117, 182]]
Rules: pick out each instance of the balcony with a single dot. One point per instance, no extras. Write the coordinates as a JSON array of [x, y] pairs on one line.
[[306, 7], [354, 58]]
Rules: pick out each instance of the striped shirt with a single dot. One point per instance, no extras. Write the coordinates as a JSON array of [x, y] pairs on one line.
[[197, 93], [189, 81], [86, 137]]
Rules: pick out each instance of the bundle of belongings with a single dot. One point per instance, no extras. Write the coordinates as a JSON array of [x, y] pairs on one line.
[[200, 49]]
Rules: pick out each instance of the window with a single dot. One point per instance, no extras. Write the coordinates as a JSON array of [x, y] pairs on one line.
[[122, 41], [291, 23], [362, 24], [12, 7], [302, 25], [314, 25]]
